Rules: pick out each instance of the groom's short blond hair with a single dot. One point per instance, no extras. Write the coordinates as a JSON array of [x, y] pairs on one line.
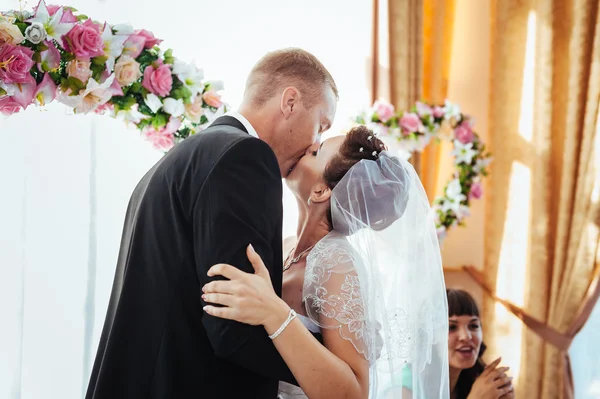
[[288, 67]]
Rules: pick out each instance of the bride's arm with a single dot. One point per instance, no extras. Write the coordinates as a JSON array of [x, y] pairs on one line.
[[335, 370]]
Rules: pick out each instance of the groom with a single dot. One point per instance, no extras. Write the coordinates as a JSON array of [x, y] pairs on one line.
[[202, 204]]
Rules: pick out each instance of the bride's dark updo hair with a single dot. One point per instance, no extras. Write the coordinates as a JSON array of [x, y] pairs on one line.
[[360, 144]]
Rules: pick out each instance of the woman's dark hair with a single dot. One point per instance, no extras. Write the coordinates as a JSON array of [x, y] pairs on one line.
[[461, 303], [362, 144]]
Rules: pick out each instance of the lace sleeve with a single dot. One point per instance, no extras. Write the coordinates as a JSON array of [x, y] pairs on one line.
[[334, 295]]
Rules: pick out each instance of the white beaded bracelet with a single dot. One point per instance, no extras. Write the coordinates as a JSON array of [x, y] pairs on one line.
[[289, 319]]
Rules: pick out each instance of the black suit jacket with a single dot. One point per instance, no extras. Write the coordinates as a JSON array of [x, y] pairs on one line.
[[201, 204]]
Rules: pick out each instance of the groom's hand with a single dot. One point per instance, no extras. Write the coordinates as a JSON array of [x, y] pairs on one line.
[[245, 297]]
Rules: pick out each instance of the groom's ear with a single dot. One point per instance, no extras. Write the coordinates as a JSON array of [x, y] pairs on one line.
[[320, 193], [289, 101]]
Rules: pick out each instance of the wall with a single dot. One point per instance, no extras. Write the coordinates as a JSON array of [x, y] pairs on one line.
[[469, 87]]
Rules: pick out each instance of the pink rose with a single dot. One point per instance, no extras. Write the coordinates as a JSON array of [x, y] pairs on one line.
[[163, 138], [423, 109], [15, 64], [158, 79], [79, 69], [212, 98], [8, 106], [476, 190], [438, 111], [85, 40], [411, 122], [150, 40], [383, 110], [463, 133]]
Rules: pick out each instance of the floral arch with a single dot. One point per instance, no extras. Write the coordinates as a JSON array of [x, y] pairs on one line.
[[411, 131], [55, 53]]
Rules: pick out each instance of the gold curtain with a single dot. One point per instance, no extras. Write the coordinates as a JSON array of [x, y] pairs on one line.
[[396, 59], [545, 91], [412, 44], [438, 25]]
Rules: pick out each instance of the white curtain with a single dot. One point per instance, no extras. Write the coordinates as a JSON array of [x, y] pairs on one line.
[[65, 179]]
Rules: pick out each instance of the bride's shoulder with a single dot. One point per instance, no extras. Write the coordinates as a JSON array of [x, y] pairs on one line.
[[335, 251]]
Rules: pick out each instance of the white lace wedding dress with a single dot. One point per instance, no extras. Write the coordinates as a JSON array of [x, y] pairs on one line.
[[332, 297]]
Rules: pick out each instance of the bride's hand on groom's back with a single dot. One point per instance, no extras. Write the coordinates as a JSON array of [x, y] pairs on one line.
[[244, 297]]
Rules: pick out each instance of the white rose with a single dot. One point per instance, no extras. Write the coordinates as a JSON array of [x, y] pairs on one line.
[[36, 33]]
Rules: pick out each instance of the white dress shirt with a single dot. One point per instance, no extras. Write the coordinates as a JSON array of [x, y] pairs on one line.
[[244, 122]]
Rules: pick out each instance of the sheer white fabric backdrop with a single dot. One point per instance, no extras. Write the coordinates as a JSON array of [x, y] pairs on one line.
[[66, 179]]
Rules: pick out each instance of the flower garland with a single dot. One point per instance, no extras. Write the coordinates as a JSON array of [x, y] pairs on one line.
[[56, 53], [413, 131]]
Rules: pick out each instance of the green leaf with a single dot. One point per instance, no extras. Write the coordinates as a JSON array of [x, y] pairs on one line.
[[136, 87], [55, 75], [97, 71], [82, 17], [143, 123], [73, 9], [22, 27], [2, 92], [181, 93], [66, 57], [203, 120], [169, 59], [99, 60], [75, 84], [123, 102], [146, 57], [159, 120]]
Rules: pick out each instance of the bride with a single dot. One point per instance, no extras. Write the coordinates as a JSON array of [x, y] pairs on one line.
[[365, 271]]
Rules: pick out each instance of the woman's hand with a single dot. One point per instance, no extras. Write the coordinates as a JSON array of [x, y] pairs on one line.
[[493, 383], [247, 298]]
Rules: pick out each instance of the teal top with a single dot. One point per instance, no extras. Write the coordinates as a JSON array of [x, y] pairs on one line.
[[406, 381]]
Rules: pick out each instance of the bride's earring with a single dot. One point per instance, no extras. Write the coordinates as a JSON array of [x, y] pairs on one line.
[[308, 202]]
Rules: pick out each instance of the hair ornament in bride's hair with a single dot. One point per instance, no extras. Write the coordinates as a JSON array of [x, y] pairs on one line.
[[361, 149], [370, 138], [375, 154]]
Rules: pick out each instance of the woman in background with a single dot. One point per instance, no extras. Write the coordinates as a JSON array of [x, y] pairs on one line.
[[470, 378]]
